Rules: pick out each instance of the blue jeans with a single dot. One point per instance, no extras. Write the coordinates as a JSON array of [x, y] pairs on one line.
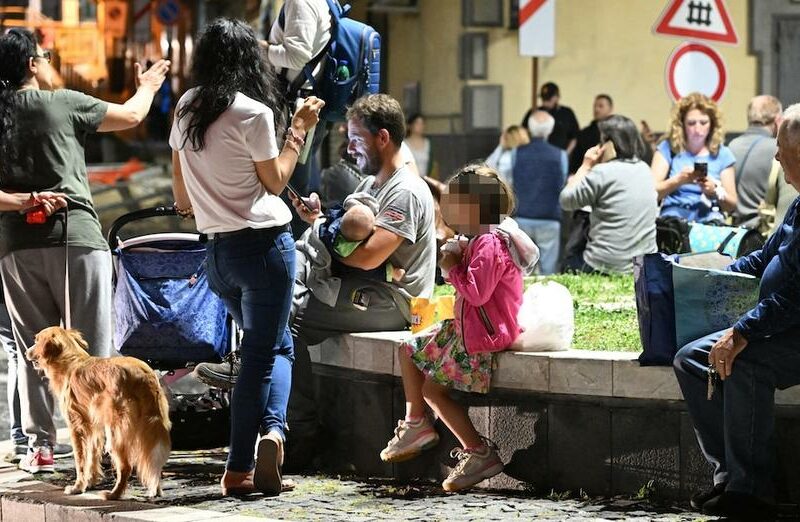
[[253, 273], [546, 233], [736, 427]]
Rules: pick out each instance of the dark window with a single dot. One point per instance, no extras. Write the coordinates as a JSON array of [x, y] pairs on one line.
[[474, 63], [483, 108], [483, 13]]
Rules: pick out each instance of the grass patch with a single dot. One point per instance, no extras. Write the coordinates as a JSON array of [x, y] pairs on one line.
[[605, 310]]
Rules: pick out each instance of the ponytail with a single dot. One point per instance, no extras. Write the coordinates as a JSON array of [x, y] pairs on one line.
[[17, 47]]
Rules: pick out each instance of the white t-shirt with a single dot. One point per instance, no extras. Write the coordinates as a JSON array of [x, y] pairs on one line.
[[422, 157], [307, 32], [221, 179], [408, 157]]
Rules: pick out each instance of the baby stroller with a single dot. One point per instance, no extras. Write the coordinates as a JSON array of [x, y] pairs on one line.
[[166, 315]]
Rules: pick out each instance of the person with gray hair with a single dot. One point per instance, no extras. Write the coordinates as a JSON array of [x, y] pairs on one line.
[[728, 378], [615, 182], [539, 171], [540, 124], [754, 150]]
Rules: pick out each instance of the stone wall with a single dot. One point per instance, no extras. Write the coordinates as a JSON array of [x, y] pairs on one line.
[[566, 421]]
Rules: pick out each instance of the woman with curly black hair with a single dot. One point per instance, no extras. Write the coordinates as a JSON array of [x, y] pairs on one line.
[[42, 134], [229, 172]]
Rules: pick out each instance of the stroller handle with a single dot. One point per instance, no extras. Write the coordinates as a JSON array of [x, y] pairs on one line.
[[116, 226]]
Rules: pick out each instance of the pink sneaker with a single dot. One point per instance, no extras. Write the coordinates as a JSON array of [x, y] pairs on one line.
[[410, 440], [38, 460]]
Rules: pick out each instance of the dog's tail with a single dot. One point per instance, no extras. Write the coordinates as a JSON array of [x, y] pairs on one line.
[[155, 445]]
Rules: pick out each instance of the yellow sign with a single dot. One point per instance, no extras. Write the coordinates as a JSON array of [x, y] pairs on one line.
[[426, 312]]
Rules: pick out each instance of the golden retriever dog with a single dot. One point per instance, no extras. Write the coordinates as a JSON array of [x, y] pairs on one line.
[[116, 401]]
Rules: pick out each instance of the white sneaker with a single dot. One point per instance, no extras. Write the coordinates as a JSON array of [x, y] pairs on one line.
[[38, 460], [410, 439], [473, 467]]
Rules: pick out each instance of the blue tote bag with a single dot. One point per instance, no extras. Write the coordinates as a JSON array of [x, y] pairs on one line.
[[680, 298], [655, 305]]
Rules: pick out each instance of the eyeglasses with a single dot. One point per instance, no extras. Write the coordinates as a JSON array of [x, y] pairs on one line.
[[46, 55]]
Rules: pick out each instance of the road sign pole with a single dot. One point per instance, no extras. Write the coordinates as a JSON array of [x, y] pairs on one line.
[[534, 82]]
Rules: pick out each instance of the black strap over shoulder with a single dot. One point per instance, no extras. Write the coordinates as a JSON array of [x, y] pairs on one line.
[[307, 73]]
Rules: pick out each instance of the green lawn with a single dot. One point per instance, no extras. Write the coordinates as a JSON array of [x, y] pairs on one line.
[[605, 310]]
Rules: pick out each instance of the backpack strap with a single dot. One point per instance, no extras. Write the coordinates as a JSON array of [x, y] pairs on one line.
[[307, 73]]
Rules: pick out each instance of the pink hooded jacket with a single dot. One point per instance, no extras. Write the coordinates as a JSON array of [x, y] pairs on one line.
[[488, 285]]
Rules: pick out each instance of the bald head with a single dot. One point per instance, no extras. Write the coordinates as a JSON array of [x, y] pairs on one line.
[[540, 124], [763, 110], [358, 223]]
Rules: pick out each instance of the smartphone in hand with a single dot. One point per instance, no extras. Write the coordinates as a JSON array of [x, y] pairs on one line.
[[700, 170], [307, 203], [609, 152]]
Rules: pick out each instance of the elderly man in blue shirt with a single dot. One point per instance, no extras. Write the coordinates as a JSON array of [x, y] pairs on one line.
[[734, 415]]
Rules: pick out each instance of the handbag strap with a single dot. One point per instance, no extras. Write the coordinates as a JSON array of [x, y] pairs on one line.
[[721, 247]]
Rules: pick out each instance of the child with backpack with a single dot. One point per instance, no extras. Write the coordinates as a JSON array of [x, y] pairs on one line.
[[486, 268]]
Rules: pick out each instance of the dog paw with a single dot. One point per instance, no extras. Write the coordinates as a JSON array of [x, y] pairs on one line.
[[109, 495], [74, 490]]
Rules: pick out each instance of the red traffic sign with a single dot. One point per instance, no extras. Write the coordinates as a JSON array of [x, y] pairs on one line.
[[694, 67], [697, 19]]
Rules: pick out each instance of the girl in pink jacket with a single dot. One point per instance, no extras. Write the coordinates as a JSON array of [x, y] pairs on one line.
[[485, 266]]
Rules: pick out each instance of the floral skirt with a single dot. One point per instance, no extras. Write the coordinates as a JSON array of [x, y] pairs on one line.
[[439, 353]]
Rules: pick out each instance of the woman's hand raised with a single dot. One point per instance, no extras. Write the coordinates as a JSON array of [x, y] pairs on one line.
[[153, 77], [308, 114]]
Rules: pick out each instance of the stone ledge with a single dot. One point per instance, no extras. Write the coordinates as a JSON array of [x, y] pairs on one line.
[[573, 372]]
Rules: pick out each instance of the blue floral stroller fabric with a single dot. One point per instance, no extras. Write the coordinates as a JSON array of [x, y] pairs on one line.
[[164, 308]]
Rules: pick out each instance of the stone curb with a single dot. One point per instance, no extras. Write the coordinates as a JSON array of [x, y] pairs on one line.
[[574, 372], [25, 499]]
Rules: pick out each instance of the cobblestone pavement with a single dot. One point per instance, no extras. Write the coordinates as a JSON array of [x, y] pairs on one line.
[[191, 481]]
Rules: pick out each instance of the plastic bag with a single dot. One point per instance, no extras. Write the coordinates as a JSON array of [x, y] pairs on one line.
[[547, 319]]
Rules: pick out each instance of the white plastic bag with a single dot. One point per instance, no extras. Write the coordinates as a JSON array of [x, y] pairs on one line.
[[547, 319]]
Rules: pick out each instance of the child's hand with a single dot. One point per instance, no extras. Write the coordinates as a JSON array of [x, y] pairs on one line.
[[449, 260]]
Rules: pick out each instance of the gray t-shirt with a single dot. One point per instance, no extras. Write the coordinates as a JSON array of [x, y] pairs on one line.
[[623, 198], [406, 208], [754, 151]]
